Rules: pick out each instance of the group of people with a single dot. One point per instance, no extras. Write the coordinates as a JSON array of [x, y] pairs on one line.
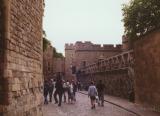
[[61, 89], [96, 93], [67, 90]]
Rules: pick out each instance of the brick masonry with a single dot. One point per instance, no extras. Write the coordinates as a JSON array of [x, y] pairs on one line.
[[147, 70], [23, 58], [116, 72], [80, 52], [117, 83], [48, 62], [59, 65], [52, 65]]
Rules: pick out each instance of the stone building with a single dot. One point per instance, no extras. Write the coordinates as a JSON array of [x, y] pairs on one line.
[[21, 57], [53, 63], [59, 66], [81, 54], [48, 61]]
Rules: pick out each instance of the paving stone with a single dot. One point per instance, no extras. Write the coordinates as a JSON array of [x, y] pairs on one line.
[[82, 108]]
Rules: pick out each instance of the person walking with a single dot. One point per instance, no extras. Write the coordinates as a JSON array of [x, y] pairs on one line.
[[101, 88], [68, 91], [74, 90], [46, 91], [64, 90], [51, 88], [79, 86], [59, 90], [55, 93], [92, 93]]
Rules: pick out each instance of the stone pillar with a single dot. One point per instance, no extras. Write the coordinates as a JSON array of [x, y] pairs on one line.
[[21, 79]]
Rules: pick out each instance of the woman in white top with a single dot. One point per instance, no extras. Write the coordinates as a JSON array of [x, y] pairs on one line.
[[92, 93]]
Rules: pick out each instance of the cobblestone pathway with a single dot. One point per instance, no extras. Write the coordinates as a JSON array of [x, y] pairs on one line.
[[82, 108]]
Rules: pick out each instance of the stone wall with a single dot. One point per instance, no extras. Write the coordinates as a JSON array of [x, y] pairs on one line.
[[118, 83], [147, 69], [91, 56], [116, 72], [23, 58], [82, 54], [59, 65], [48, 62], [69, 61]]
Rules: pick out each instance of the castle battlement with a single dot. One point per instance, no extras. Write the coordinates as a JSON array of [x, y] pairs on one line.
[[87, 45], [69, 46]]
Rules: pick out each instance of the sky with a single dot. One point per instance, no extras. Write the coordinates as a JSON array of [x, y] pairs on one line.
[[68, 21]]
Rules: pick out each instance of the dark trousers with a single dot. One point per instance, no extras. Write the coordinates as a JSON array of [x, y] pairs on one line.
[[50, 95], [60, 97], [55, 96], [45, 98], [101, 98]]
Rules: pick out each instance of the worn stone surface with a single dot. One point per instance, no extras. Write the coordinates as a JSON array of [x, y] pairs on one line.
[[117, 83], [48, 62], [59, 65], [116, 72], [147, 69], [82, 108], [52, 64], [22, 71]]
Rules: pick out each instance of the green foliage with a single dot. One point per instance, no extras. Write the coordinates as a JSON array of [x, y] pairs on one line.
[[56, 54], [45, 44], [45, 41], [140, 17]]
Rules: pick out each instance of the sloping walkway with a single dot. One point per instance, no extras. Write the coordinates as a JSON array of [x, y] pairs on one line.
[[137, 109], [82, 108]]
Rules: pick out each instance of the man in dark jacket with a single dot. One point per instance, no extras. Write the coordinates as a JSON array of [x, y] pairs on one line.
[[100, 88], [59, 90]]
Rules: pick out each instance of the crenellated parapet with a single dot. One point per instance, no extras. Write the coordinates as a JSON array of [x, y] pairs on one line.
[[69, 46], [82, 53], [89, 46]]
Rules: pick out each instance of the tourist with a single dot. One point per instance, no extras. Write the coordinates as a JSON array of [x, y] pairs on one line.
[[74, 89], [101, 87], [71, 94], [55, 93], [59, 90], [54, 83], [79, 86], [92, 93], [46, 91], [68, 90], [64, 90], [51, 88]]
